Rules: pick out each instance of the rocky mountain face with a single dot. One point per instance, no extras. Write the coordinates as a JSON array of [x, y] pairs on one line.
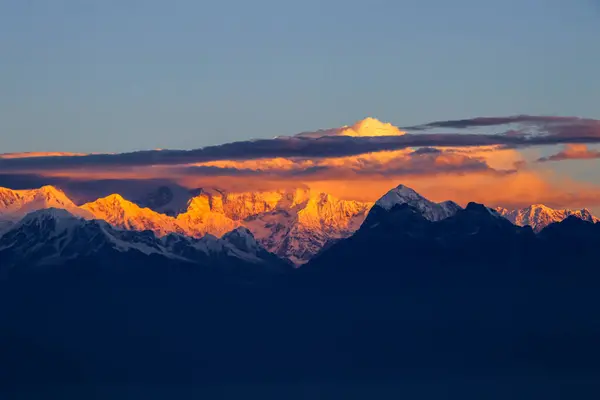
[[15, 204], [294, 224], [538, 216], [430, 210], [301, 231], [54, 237], [124, 214]]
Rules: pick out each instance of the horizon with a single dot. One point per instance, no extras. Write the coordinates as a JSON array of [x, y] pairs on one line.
[[216, 191]]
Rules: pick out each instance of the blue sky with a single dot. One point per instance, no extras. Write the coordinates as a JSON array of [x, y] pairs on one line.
[[118, 75]]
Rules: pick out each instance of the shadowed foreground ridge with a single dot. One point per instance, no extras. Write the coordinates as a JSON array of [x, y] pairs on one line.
[[469, 298]]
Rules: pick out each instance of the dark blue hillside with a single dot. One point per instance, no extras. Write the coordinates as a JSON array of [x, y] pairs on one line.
[[471, 300]]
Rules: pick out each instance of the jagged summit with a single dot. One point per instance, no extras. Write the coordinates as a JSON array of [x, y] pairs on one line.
[[399, 195], [243, 239], [47, 213], [299, 228], [404, 195], [539, 216], [124, 214], [293, 223], [15, 204], [54, 236], [450, 205], [114, 200]]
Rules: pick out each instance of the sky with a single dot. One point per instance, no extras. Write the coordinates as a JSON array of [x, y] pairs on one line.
[[123, 75], [230, 77]]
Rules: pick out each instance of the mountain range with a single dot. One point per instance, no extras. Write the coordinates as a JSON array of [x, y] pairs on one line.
[[538, 216], [51, 237], [420, 290], [295, 224]]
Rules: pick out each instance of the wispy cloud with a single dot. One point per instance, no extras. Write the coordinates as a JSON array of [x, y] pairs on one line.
[[572, 152], [497, 121]]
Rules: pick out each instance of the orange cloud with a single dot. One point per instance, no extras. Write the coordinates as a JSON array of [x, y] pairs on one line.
[[573, 152], [409, 161], [32, 154], [368, 176], [516, 190], [483, 174], [472, 170]]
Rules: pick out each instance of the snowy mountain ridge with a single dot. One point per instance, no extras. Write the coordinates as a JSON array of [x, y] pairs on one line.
[[15, 204], [539, 216], [294, 224], [53, 236], [430, 210]]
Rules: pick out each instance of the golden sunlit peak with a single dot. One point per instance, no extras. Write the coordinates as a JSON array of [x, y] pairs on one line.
[[115, 197], [371, 127], [50, 189]]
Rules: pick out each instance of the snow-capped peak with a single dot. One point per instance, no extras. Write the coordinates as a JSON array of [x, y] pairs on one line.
[[53, 236], [52, 191], [242, 239], [115, 199], [50, 223], [399, 195], [122, 213], [450, 206], [15, 204], [49, 220], [405, 195], [47, 213]]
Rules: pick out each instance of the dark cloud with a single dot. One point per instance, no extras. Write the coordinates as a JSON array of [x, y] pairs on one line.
[[82, 191], [427, 150], [204, 170], [425, 163], [557, 130], [495, 121], [29, 181]]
